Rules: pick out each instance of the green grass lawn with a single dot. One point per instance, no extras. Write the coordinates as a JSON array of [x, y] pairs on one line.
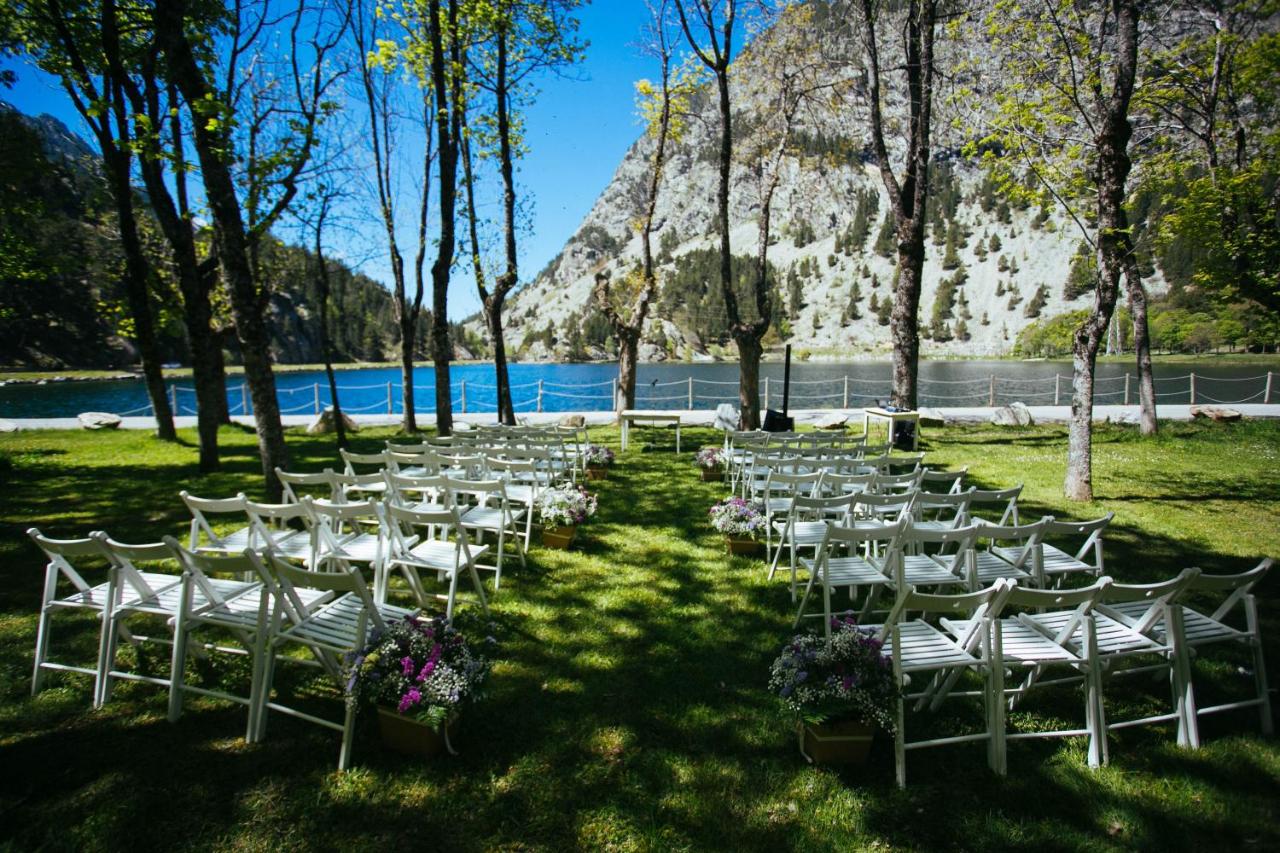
[[627, 708]]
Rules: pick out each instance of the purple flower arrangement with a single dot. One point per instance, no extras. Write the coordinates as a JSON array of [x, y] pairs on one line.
[[598, 456], [737, 517], [424, 668], [847, 677], [710, 458]]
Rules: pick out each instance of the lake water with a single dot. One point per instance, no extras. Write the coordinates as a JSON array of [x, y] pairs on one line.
[[588, 387]]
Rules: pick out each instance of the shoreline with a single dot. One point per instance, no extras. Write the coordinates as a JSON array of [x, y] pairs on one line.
[[53, 377]]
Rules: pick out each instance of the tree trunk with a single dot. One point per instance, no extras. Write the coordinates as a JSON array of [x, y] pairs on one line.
[[137, 275], [502, 380], [1141, 344], [408, 341], [628, 359], [326, 343], [905, 320], [749, 351], [206, 372], [233, 251], [446, 84]]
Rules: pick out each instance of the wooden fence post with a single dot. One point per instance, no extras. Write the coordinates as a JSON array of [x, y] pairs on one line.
[[244, 400], [992, 402], [174, 391], [1266, 393], [766, 392], [315, 388], [1057, 388], [1126, 389], [1193, 388], [390, 405], [846, 391], [539, 395], [691, 392], [464, 396], [613, 392]]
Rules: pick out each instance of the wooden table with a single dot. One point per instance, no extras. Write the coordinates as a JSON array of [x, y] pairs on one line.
[[912, 417], [636, 417]]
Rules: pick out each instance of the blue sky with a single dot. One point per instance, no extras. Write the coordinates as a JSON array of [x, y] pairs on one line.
[[577, 132]]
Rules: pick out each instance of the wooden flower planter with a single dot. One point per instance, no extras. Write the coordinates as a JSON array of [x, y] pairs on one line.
[[742, 547], [411, 737], [558, 537], [712, 475], [846, 742], [597, 472]]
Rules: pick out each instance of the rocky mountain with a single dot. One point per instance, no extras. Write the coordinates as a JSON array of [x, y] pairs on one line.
[[992, 267]]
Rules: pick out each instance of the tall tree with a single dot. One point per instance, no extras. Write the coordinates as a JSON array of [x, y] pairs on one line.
[[87, 45], [160, 140], [662, 108], [1211, 75], [379, 62], [515, 39], [1062, 111], [184, 34], [708, 27], [907, 192]]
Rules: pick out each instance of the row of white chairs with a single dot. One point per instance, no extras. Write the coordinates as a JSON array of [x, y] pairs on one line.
[[260, 601], [1013, 637]]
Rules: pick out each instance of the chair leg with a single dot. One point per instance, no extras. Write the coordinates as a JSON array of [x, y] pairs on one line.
[[348, 735], [113, 644], [999, 757], [42, 631], [1259, 665], [1097, 716], [264, 692], [900, 746], [502, 540]]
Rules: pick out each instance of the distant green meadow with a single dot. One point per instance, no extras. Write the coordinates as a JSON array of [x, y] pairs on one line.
[[628, 708]]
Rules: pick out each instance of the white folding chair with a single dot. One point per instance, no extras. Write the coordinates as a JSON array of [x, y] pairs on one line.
[[999, 506], [806, 527], [1025, 644], [1083, 556], [490, 513], [204, 538], [63, 556], [842, 563], [1012, 551], [933, 557], [443, 549], [943, 481], [240, 608], [1192, 629], [323, 484], [919, 649], [942, 511], [336, 629], [346, 534]]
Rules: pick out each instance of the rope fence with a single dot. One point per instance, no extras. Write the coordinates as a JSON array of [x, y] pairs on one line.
[[836, 393]]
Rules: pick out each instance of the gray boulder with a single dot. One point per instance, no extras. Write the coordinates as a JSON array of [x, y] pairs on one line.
[[325, 423], [831, 421], [8, 425], [1014, 414], [1216, 413], [98, 420], [573, 421]]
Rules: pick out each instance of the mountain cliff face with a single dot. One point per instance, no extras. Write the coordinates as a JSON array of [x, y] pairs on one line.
[[991, 267]]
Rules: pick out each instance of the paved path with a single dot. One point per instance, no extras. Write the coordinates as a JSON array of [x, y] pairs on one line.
[[697, 417]]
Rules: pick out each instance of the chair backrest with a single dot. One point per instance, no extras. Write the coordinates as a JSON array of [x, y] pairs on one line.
[[949, 506], [491, 492], [887, 484], [1089, 551], [286, 578], [1027, 536], [943, 481], [296, 484], [951, 548], [124, 557], [441, 524], [374, 461], [201, 507], [400, 489], [1157, 597], [871, 505], [420, 447], [849, 484], [902, 462], [835, 508], [1239, 587], [199, 569], [62, 553], [981, 604], [1080, 601], [887, 537], [269, 522], [1002, 504], [791, 485]]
